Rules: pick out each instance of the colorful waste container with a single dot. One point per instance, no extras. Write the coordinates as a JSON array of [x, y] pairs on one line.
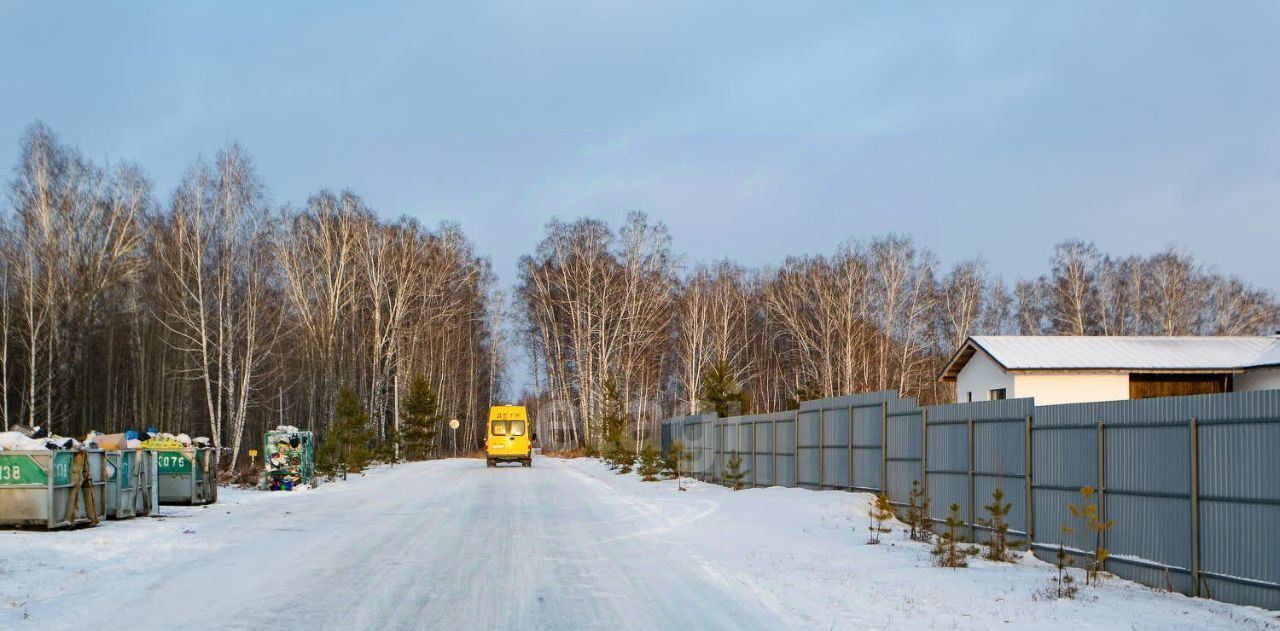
[[288, 459]]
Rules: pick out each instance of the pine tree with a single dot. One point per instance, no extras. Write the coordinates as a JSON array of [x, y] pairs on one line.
[[946, 548], [385, 451], [613, 422], [346, 443], [918, 513], [806, 391], [1088, 514], [721, 393], [613, 414], [420, 420], [1063, 584], [997, 522], [650, 466], [670, 468], [675, 462], [624, 458], [881, 511], [733, 472]]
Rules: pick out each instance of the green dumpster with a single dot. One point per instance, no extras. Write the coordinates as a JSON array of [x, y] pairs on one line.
[[52, 489], [131, 483], [187, 476]]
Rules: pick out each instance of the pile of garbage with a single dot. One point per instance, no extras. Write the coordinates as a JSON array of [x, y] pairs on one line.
[[23, 438], [124, 440], [149, 439]]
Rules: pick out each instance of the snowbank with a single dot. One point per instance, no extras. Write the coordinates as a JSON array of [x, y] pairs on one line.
[[804, 554]]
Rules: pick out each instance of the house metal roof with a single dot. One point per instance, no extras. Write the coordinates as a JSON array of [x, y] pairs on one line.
[[1136, 353]]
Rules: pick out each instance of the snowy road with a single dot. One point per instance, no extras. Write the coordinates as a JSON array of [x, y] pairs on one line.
[[564, 545], [462, 546], [449, 545]]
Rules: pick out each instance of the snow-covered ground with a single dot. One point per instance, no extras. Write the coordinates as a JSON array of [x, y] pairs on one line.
[[566, 544]]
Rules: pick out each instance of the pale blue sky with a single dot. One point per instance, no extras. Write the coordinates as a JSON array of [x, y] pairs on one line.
[[755, 130]]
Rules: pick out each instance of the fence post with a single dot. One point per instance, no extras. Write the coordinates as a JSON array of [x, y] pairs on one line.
[[773, 446], [924, 452], [1102, 486], [972, 516], [822, 447], [1195, 507], [703, 430], [720, 454], [713, 469], [848, 425], [795, 450], [1028, 513], [884, 447], [753, 451]]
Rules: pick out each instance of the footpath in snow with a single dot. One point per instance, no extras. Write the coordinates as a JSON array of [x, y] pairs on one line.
[[567, 544]]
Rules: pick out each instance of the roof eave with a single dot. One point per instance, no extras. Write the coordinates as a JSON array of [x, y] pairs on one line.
[[1127, 371], [961, 358]]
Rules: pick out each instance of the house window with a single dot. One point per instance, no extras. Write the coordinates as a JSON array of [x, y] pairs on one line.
[[999, 394]]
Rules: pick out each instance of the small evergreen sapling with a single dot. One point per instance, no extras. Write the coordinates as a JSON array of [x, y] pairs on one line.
[[625, 458], [669, 464], [609, 454], [1088, 514], [946, 548], [649, 465], [733, 473], [918, 513], [881, 511], [1064, 583], [676, 462], [997, 522]]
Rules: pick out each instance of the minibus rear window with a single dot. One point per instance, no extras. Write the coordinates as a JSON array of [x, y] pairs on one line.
[[517, 428], [500, 428]]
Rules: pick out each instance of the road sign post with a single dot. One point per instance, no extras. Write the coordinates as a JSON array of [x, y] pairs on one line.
[[453, 425]]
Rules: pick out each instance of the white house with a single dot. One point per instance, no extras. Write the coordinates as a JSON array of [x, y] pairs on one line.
[[1074, 369]]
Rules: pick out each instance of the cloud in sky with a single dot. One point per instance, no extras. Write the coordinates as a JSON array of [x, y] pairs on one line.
[[754, 132]]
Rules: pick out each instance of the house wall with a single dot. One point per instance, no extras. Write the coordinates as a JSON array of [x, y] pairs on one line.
[[981, 375], [1072, 387], [1258, 379]]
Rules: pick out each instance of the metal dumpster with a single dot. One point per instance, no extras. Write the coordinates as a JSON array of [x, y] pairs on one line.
[[131, 483], [187, 476], [51, 489]]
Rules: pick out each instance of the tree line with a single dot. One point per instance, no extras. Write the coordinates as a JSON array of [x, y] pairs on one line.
[[605, 313], [215, 313]]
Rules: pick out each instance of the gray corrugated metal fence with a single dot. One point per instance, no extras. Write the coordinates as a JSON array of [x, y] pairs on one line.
[[974, 448], [1191, 483]]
